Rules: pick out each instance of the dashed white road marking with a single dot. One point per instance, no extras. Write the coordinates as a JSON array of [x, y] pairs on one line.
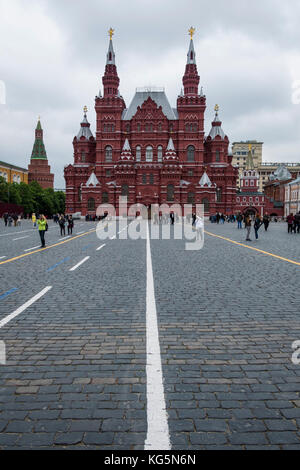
[[79, 264], [100, 247], [33, 248], [158, 437], [24, 306], [79, 233], [112, 238], [2, 257], [21, 238], [64, 238]]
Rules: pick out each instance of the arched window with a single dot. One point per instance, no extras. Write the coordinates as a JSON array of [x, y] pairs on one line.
[[91, 204], [105, 198], [170, 192], [217, 155], [219, 195], [79, 194], [104, 128], [159, 153], [206, 204], [144, 179], [159, 127], [108, 153], [128, 128], [195, 128], [171, 128], [83, 157], [191, 153], [187, 127], [138, 153], [191, 198], [151, 179], [138, 127], [112, 128], [125, 190], [149, 154]]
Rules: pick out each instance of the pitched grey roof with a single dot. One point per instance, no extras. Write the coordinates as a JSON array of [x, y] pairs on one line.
[[93, 180], [205, 181], [297, 181], [85, 131], [217, 130], [160, 99], [281, 174]]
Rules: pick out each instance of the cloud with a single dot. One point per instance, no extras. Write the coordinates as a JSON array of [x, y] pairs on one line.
[[53, 57]]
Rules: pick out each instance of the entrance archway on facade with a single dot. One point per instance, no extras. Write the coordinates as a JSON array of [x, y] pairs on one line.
[[252, 211]]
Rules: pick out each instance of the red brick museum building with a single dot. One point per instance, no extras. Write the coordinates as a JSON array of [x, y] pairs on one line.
[[150, 152]]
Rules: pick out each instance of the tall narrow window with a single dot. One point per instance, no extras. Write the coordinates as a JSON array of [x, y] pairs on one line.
[[79, 194], [138, 127], [144, 179], [149, 154], [170, 192], [138, 153], [159, 127], [83, 157], [125, 190], [206, 204], [91, 204], [217, 155], [191, 198], [151, 179], [108, 153], [219, 195], [191, 153], [159, 153], [105, 198]]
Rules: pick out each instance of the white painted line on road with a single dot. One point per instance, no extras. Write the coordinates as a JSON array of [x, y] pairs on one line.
[[21, 238], [24, 306], [64, 238], [100, 247], [23, 231], [158, 437], [79, 233], [34, 248], [2, 257], [79, 264], [112, 238]]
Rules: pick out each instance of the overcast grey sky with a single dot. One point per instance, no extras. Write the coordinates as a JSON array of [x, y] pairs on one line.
[[53, 56]]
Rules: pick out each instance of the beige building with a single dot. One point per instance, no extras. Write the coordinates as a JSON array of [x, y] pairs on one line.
[[265, 170], [13, 173]]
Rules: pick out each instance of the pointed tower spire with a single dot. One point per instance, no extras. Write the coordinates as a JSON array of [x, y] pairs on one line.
[[39, 151], [85, 130], [249, 161], [191, 78], [111, 80], [126, 152], [216, 125]]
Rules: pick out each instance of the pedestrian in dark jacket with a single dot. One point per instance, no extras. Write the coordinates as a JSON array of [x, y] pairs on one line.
[[62, 223], [257, 224], [70, 225], [290, 221], [266, 221]]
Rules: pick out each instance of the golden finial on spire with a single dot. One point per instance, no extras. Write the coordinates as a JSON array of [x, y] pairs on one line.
[[85, 110], [192, 32], [217, 107], [111, 32]]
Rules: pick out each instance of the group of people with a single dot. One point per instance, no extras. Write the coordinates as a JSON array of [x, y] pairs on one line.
[[293, 222], [63, 221], [10, 219]]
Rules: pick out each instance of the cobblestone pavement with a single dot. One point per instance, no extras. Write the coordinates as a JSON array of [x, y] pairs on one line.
[[75, 375]]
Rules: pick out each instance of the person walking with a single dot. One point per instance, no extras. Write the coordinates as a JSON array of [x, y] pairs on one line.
[[290, 221], [297, 222], [70, 225], [33, 219], [199, 227], [62, 224], [248, 224], [266, 221], [5, 216], [42, 225], [239, 220], [257, 224]]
